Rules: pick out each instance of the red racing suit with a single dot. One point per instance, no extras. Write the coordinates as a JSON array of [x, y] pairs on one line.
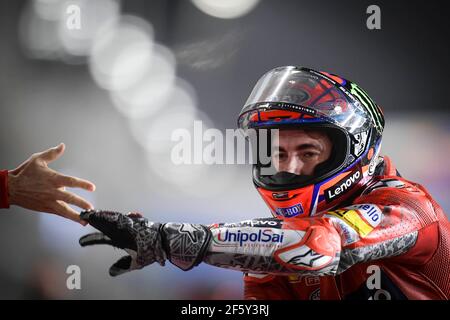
[[392, 241], [4, 197]]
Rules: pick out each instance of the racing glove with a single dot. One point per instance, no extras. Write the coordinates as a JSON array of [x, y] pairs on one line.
[[264, 245], [146, 242]]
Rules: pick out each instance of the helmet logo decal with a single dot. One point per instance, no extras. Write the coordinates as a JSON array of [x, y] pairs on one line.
[[290, 212], [343, 185], [280, 195], [361, 144], [374, 162]]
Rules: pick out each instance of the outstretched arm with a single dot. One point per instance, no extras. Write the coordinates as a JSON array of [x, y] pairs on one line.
[[310, 246], [327, 244]]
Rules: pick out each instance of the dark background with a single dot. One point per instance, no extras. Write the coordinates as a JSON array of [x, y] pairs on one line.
[[51, 97]]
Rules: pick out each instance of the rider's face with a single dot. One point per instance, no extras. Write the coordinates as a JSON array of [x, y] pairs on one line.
[[300, 151]]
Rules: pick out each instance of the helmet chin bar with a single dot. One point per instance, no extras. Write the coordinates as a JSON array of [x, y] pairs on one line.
[[283, 179], [287, 178]]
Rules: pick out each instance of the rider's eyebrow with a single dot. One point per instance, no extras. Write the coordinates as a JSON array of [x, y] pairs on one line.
[[303, 146]]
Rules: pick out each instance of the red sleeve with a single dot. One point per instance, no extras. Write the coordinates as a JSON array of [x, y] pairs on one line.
[[4, 199], [393, 218], [282, 287], [266, 287]]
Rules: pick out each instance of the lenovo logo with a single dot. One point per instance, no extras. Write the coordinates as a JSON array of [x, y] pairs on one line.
[[343, 186]]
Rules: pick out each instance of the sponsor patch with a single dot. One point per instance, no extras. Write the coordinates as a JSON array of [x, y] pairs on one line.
[[348, 234], [354, 219], [312, 281], [228, 237], [258, 223], [361, 143], [280, 195], [304, 257], [343, 185], [370, 212], [308, 280], [290, 212]]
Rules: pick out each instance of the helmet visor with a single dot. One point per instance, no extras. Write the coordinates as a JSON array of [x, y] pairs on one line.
[[305, 91]]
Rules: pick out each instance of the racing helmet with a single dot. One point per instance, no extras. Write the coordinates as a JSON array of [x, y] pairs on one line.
[[301, 98]]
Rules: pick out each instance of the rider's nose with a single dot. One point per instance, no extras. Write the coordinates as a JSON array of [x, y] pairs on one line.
[[292, 165]]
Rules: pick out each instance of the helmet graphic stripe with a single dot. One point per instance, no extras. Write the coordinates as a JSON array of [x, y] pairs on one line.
[[373, 105], [370, 105]]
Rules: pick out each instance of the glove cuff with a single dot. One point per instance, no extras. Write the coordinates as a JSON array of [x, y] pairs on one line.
[[185, 243]]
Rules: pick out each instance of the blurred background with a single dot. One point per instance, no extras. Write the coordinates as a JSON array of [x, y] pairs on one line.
[[114, 90]]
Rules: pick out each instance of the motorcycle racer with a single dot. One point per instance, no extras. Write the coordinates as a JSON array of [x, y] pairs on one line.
[[345, 224]]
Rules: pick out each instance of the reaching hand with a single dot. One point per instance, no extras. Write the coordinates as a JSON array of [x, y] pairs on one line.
[[33, 185]]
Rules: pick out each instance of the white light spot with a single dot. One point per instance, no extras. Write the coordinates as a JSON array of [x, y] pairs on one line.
[[156, 81], [94, 16], [226, 9], [121, 53]]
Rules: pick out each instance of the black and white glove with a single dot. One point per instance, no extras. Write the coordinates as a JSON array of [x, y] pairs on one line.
[[183, 244]]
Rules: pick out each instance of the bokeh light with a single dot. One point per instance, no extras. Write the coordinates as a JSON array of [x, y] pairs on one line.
[[228, 9], [95, 15], [155, 76], [121, 53]]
